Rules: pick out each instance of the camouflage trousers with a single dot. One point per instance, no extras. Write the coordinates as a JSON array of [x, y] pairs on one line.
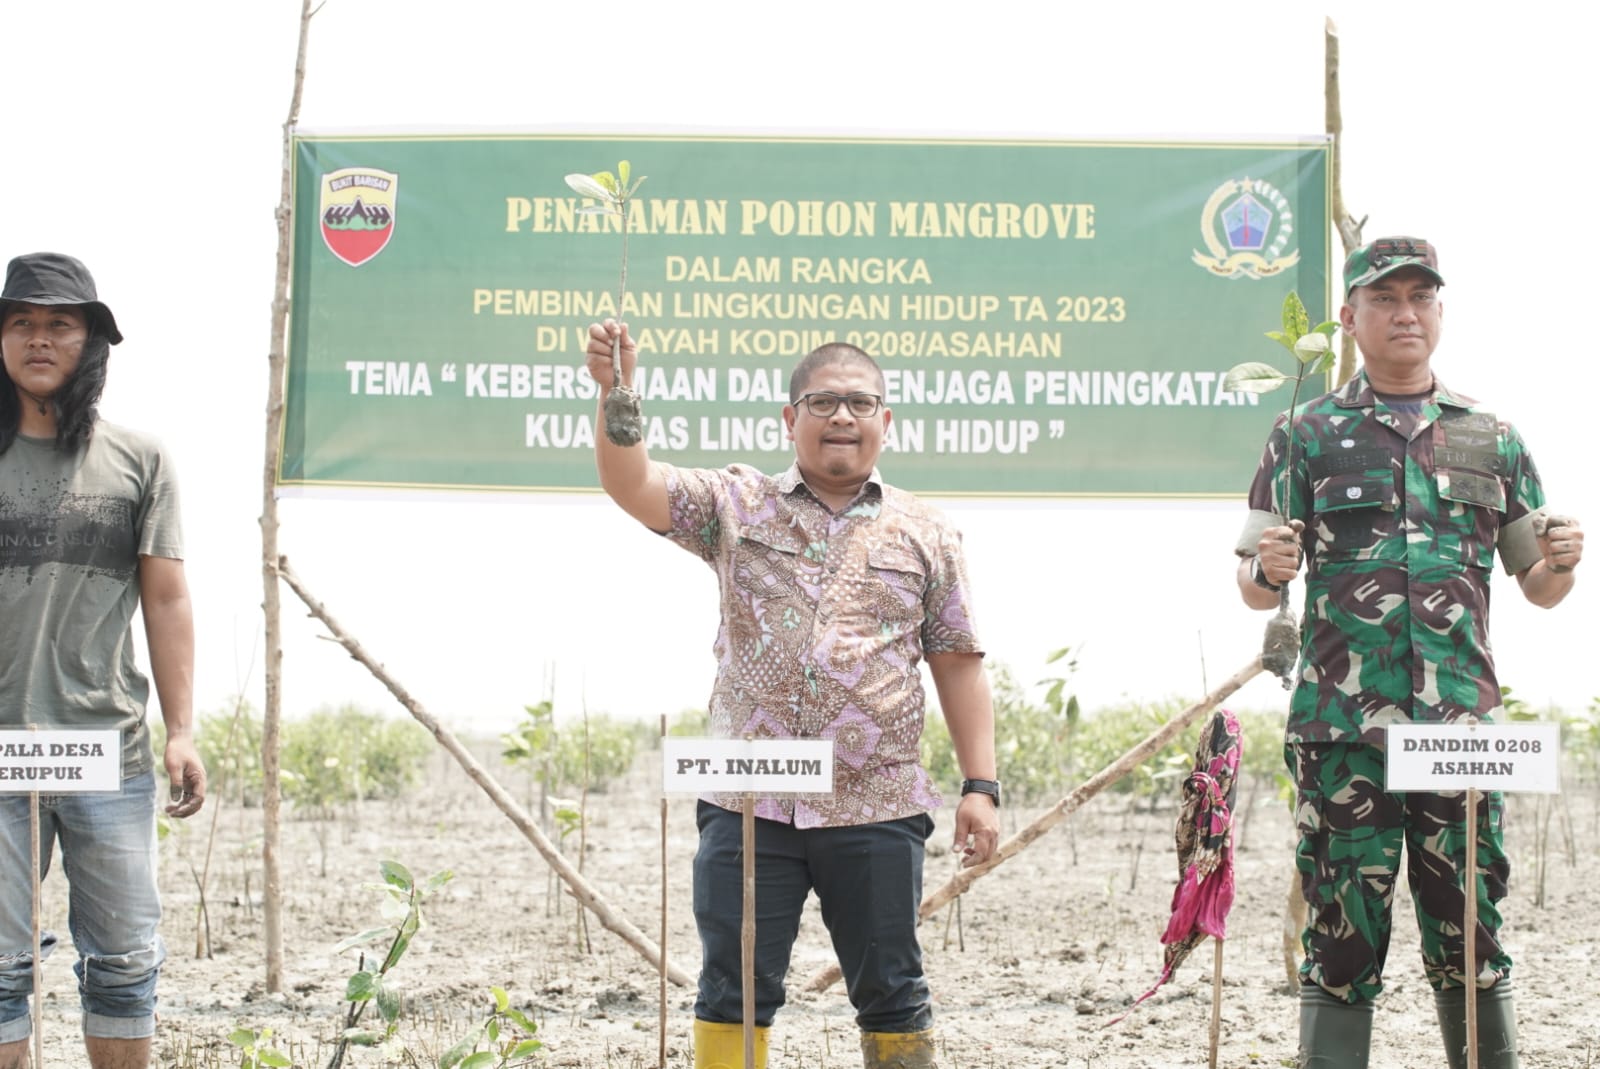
[[1350, 836]]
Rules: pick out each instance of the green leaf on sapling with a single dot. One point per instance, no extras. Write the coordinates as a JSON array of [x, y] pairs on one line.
[[586, 186], [397, 876], [1295, 320], [1253, 377], [1281, 338], [623, 170], [1311, 347], [361, 986], [501, 999], [452, 1057], [609, 182], [371, 935], [478, 1060], [388, 1002]]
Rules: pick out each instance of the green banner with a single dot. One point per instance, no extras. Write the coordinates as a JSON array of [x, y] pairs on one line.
[[1052, 318]]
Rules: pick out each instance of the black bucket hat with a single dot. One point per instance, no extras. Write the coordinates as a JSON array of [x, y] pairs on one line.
[[46, 278]]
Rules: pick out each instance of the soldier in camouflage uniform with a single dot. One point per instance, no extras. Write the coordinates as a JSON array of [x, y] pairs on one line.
[[1400, 492]]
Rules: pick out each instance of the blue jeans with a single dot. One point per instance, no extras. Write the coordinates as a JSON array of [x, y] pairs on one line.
[[868, 879], [108, 852]]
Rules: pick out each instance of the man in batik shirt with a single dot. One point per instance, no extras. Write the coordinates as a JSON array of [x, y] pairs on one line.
[[1401, 490], [835, 586]]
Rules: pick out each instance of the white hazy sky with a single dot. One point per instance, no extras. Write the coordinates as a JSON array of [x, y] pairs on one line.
[[146, 140]]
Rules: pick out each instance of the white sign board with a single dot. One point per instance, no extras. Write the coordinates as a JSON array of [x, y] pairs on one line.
[[762, 766], [1488, 757], [60, 762]]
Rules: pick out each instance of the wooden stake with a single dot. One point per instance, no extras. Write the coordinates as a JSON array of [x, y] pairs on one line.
[[1470, 928], [38, 965], [1216, 1000], [661, 995], [747, 931]]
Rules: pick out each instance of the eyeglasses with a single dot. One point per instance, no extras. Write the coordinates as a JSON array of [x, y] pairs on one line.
[[823, 405]]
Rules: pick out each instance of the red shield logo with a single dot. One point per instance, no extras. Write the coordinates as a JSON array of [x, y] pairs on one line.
[[357, 210]]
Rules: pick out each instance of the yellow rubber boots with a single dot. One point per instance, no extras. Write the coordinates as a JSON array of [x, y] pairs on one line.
[[721, 1046], [897, 1050]]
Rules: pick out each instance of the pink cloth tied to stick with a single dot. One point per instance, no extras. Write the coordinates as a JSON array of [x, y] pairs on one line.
[[1204, 895]]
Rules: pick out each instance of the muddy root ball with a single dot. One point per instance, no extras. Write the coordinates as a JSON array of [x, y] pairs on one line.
[[624, 424], [1280, 647]]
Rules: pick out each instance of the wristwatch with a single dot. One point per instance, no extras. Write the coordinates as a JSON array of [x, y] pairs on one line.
[[991, 787], [1260, 576]]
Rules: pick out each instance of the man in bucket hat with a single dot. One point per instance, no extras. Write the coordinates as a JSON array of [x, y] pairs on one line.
[[89, 531], [1399, 490]]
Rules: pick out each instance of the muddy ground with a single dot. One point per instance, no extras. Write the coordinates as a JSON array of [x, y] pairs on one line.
[[1046, 950]]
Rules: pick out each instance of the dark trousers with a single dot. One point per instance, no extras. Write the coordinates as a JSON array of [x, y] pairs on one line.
[[868, 879]]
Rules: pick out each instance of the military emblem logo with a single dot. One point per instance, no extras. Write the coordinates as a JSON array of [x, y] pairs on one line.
[[357, 212], [1247, 227]]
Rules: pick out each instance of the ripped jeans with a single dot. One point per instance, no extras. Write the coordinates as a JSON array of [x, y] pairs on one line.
[[108, 852]]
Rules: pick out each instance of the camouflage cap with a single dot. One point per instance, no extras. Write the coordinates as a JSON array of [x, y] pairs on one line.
[[49, 278], [1385, 256]]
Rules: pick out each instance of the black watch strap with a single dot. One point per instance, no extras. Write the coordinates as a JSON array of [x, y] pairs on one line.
[[991, 787], [1259, 576]]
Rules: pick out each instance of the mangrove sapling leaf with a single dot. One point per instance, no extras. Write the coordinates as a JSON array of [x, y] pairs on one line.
[[388, 999], [253, 1051], [397, 876], [361, 986], [371, 935]]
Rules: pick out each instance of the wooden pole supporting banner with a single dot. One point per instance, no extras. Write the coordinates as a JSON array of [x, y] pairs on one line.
[[1469, 930]]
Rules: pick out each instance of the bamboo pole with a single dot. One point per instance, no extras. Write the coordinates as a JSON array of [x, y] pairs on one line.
[[1349, 229], [271, 872], [1116, 770], [581, 889]]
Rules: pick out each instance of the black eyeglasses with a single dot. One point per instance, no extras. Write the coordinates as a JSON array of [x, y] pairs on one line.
[[824, 405]]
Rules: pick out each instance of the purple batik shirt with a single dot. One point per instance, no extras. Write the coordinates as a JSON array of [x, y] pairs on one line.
[[826, 618]]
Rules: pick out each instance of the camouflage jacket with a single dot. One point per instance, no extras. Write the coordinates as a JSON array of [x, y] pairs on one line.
[[1400, 536]]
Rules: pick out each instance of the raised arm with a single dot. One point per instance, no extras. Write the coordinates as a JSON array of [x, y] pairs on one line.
[[626, 472]]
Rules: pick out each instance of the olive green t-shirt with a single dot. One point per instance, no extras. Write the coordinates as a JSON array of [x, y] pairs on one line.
[[72, 528]]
